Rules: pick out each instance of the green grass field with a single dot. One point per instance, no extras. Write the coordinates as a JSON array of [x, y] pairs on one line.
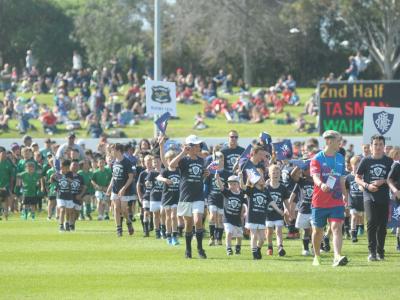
[[183, 126], [38, 262]]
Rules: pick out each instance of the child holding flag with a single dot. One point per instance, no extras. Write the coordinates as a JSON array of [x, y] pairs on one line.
[[215, 198]]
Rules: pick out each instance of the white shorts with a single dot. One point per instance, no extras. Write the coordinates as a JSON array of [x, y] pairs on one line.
[[253, 226], [303, 221], [237, 232], [355, 212], [187, 209], [155, 206], [214, 208], [77, 207], [122, 198], [131, 198], [101, 196], [278, 223], [65, 203], [169, 206], [146, 204]]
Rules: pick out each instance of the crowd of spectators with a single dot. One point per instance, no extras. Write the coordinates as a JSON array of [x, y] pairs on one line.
[[94, 99]]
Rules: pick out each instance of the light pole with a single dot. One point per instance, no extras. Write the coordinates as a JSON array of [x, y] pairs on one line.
[[157, 48]]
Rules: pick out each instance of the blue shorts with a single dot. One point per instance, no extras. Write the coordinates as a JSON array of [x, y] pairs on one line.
[[321, 215]]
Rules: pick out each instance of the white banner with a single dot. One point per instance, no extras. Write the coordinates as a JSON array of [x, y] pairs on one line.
[[384, 121], [160, 97]]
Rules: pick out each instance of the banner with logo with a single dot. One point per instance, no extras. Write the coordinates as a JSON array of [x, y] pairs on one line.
[[341, 104], [160, 97], [383, 121]]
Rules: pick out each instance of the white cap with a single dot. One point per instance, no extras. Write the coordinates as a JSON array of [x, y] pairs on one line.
[[233, 178], [193, 139]]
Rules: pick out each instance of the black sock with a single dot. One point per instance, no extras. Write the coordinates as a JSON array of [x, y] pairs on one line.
[[361, 226], [306, 242], [163, 228], [270, 247], [255, 252], [238, 248], [119, 228], [217, 234], [398, 240], [146, 226], [130, 217], [229, 249], [199, 238], [122, 220], [180, 230], [174, 234], [354, 233], [188, 237], [221, 233], [212, 231], [193, 230], [141, 219], [168, 235], [347, 224]]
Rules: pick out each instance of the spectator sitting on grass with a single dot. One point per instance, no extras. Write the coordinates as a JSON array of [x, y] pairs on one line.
[[290, 83], [301, 123], [94, 128], [125, 117], [4, 122], [186, 96], [243, 87], [199, 123], [210, 93], [49, 121], [208, 111]]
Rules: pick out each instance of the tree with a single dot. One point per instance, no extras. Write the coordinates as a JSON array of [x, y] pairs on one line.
[[108, 28], [37, 25], [376, 25], [229, 28]]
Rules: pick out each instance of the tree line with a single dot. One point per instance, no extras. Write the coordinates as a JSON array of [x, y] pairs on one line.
[[256, 40]]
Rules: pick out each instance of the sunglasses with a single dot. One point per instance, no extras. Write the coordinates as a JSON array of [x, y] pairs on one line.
[[233, 136]]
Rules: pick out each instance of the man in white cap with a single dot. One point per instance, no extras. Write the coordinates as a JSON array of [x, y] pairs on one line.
[[327, 169], [191, 200]]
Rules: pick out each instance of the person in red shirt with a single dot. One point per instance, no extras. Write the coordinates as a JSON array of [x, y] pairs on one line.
[[49, 121], [327, 170]]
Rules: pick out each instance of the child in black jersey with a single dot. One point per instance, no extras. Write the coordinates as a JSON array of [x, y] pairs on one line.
[[258, 201], [354, 199], [170, 177], [302, 194], [274, 219], [233, 202]]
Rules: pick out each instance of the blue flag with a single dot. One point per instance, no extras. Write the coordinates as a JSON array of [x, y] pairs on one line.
[[302, 164], [265, 138], [253, 175], [283, 150], [162, 122], [244, 157]]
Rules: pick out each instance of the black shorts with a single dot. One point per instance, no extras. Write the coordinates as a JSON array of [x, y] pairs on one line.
[[30, 200], [51, 198]]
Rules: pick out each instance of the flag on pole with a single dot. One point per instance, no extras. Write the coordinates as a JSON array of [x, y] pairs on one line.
[[265, 138], [301, 164], [162, 122], [244, 157], [213, 167], [283, 150], [253, 175]]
